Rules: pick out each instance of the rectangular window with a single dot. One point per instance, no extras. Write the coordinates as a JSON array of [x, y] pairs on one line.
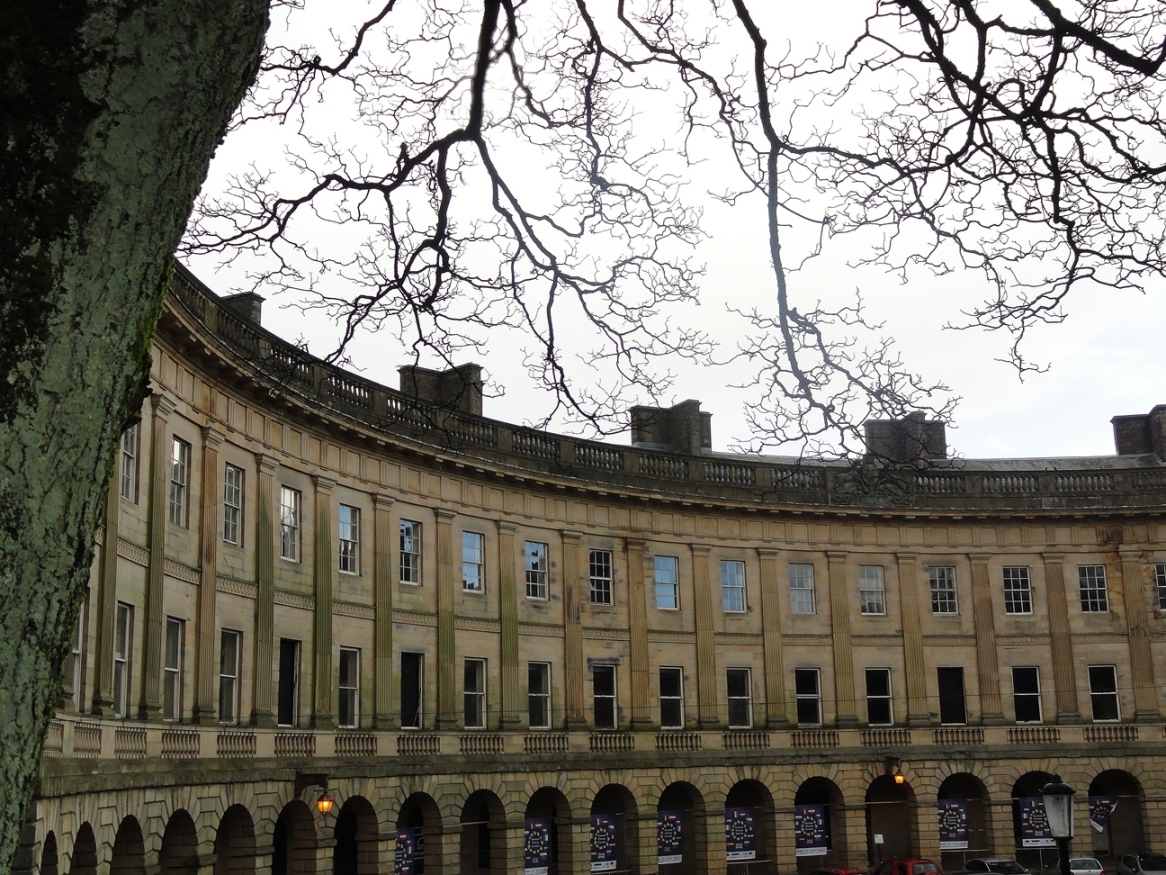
[[129, 463], [349, 716], [1026, 694], [288, 702], [1017, 590], [1160, 584], [740, 697], [732, 587], [412, 680], [349, 526], [603, 696], [172, 671], [230, 651], [75, 670], [474, 693], [410, 552], [534, 555], [473, 561], [1094, 598], [667, 577], [942, 580], [538, 695], [600, 571], [671, 698], [808, 694], [123, 640], [232, 504], [952, 708], [179, 479], [801, 588], [878, 697], [1103, 692], [871, 593], [289, 523]]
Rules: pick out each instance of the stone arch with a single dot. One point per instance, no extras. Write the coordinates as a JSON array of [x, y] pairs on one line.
[[1028, 786], [179, 852], [750, 793], [235, 842], [681, 801], [83, 859], [483, 835], [890, 812], [821, 792], [1124, 832], [549, 804], [419, 831], [614, 817], [969, 789], [128, 856], [293, 850], [48, 855], [355, 851]]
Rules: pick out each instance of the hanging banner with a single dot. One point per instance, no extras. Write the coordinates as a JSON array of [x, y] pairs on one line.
[[1034, 824], [669, 837], [1100, 808], [406, 853], [603, 843], [810, 831], [953, 824], [536, 852], [740, 837]]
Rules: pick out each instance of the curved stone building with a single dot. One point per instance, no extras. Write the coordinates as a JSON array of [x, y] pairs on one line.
[[497, 649]]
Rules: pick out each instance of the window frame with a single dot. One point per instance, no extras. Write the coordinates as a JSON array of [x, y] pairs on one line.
[[474, 699], [179, 504], [807, 702], [173, 642], [1096, 695], [538, 699], [419, 718], [802, 598], [868, 591], [886, 700], [123, 634], [234, 479], [1160, 584], [229, 686], [348, 555], [348, 693], [734, 598], [675, 702], [949, 698], [410, 559], [1027, 696], [473, 562], [611, 699], [666, 590], [600, 576], [535, 564], [290, 523], [743, 703], [1093, 589], [944, 598], [1017, 589], [130, 455]]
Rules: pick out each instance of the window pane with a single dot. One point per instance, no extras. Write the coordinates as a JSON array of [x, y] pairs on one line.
[[667, 583], [604, 679], [951, 696]]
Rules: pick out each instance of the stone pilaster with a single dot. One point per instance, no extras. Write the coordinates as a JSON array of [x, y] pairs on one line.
[[1061, 640], [262, 713], [448, 713], [150, 704], [386, 543], [706, 654], [638, 628], [775, 714], [107, 604], [323, 573], [205, 668], [840, 598], [573, 632], [987, 660], [1133, 587], [913, 665], [508, 559]]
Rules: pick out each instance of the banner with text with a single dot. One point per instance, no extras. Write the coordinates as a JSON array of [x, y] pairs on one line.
[[953, 824], [1034, 824], [603, 841], [810, 831], [1100, 808], [536, 852], [406, 853], [740, 836], [669, 837]]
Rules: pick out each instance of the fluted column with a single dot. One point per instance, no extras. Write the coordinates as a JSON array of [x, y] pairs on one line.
[[917, 713], [265, 534], [205, 670], [987, 659], [150, 705], [775, 714], [508, 557], [706, 653], [447, 709], [1064, 678], [322, 574], [573, 631], [1141, 663], [840, 629], [386, 542], [638, 629], [107, 603]]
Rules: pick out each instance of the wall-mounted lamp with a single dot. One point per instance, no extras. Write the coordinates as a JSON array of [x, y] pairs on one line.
[[895, 770], [324, 803]]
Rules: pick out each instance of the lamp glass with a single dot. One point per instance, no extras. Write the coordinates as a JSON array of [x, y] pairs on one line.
[[324, 803], [1058, 799]]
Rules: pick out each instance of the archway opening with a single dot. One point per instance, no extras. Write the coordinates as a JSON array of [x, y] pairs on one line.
[[419, 833], [129, 850], [483, 839], [235, 843], [1115, 803], [819, 811], [179, 852], [355, 851], [614, 838], [965, 827], [48, 855], [293, 842], [548, 832], [1032, 853], [890, 816], [750, 839], [84, 858], [680, 830]]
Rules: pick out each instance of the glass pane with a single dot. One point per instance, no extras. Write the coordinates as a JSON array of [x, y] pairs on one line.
[[878, 682], [806, 682], [738, 682], [669, 682], [603, 678]]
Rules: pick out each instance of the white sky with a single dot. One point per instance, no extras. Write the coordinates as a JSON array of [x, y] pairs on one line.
[[1106, 359]]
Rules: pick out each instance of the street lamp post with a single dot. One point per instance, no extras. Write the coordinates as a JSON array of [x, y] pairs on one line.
[[1058, 799]]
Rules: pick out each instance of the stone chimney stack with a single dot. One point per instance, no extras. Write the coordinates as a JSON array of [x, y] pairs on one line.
[[1141, 433], [912, 440], [246, 304], [457, 389], [681, 429]]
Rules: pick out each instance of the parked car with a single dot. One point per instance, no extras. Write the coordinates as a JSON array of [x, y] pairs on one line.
[[995, 866], [1079, 866], [908, 866], [1142, 864], [837, 870]]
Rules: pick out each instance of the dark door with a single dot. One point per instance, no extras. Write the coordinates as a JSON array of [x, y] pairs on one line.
[[289, 680]]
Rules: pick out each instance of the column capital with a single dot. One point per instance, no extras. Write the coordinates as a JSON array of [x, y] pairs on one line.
[[324, 485], [767, 552], [162, 406], [212, 438], [701, 549], [507, 527], [979, 558], [266, 464], [836, 556], [1130, 554], [444, 514], [383, 502], [1053, 558], [906, 557], [570, 537]]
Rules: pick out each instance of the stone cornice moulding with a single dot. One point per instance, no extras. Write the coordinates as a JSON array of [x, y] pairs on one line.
[[295, 600], [234, 586]]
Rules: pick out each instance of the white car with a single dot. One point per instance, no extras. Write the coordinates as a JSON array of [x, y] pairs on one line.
[[1079, 866], [1142, 864]]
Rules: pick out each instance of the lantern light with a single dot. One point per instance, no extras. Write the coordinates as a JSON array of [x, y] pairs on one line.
[[324, 803], [1058, 799]]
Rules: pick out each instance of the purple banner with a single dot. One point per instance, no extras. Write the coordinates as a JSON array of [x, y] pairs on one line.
[[740, 835], [1100, 808], [406, 851], [536, 852], [603, 843], [669, 837], [953, 824], [810, 831], [1034, 824]]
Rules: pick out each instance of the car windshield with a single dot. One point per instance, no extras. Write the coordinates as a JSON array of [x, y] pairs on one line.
[[1006, 867], [1084, 863], [1153, 862], [924, 869]]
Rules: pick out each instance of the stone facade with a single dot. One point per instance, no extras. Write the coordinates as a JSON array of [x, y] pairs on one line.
[[307, 583]]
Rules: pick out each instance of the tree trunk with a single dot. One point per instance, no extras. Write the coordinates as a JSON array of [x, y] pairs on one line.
[[110, 110]]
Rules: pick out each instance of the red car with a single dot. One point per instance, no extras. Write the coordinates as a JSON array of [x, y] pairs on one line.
[[837, 870], [907, 866]]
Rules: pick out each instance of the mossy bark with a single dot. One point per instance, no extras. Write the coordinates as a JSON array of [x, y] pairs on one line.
[[111, 111]]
